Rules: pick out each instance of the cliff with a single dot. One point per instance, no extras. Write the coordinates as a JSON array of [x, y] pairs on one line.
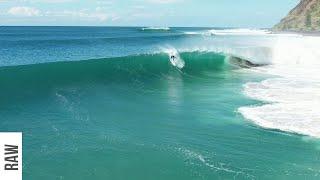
[[304, 17]]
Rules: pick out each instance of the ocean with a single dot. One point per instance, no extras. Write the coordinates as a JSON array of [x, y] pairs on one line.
[[112, 103]]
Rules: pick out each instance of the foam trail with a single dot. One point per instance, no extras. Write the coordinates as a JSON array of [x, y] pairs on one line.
[[294, 96]]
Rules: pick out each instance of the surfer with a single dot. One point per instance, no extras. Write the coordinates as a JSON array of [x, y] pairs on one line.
[[172, 57]]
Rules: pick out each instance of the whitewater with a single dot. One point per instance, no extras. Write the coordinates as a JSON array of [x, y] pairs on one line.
[[293, 96]]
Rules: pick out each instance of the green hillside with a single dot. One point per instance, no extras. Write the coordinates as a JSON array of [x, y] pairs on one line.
[[304, 17]]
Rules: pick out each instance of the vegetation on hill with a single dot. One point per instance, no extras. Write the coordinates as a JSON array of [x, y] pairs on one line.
[[304, 17]]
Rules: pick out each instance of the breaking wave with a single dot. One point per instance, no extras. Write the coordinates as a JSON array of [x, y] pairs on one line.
[[291, 96]]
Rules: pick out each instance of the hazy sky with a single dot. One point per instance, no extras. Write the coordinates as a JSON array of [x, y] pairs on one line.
[[213, 13]]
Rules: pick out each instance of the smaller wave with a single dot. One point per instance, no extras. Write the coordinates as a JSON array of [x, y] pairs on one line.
[[230, 32], [155, 29], [238, 32]]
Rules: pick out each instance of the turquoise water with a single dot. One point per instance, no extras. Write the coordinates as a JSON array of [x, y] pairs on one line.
[[89, 109]]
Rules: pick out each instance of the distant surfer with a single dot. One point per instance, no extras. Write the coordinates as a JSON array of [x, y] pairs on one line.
[[176, 60]]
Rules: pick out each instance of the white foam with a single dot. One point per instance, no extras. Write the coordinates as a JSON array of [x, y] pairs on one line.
[[294, 96]]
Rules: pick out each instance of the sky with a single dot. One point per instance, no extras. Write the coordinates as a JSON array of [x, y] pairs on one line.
[[164, 13]]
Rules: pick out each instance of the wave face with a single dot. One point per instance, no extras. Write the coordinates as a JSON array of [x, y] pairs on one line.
[[122, 69]]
